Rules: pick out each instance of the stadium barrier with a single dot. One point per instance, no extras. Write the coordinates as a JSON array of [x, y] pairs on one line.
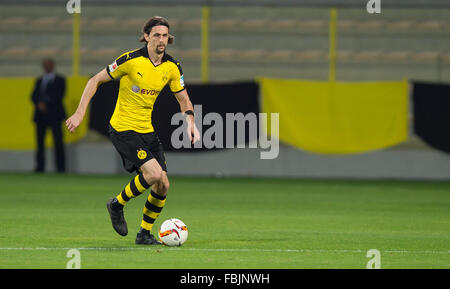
[[318, 117], [217, 98], [16, 112]]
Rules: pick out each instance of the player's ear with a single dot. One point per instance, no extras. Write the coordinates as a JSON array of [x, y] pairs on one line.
[[146, 37], [171, 39]]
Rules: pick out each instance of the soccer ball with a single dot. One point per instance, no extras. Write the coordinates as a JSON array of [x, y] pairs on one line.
[[173, 232]]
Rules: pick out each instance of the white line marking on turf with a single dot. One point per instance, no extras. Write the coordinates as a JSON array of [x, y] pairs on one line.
[[222, 250]]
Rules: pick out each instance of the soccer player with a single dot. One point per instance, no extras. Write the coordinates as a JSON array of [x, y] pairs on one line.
[[144, 72]]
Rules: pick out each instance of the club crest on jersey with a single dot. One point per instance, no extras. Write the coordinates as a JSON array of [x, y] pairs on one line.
[[141, 154], [164, 76]]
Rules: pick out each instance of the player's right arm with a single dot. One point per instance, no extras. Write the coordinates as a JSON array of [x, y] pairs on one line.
[[91, 87]]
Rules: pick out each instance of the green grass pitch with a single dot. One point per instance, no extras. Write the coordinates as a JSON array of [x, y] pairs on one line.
[[233, 223]]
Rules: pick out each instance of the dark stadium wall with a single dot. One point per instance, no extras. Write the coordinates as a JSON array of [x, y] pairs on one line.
[[218, 98], [431, 103]]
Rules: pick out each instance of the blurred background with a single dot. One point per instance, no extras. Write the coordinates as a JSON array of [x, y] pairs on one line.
[[359, 95]]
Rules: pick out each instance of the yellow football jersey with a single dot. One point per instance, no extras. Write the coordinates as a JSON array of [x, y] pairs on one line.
[[140, 84]]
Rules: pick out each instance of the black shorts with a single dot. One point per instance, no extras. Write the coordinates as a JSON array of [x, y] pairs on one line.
[[137, 148]]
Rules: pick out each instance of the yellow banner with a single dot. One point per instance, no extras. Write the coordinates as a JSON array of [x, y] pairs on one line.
[[338, 117], [16, 112]]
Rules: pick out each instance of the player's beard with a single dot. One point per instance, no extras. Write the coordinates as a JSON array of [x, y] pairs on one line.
[[159, 51]]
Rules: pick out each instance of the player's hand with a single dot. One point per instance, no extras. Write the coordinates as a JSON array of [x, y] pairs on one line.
[[192, 131], [73, 122], [195, 134]]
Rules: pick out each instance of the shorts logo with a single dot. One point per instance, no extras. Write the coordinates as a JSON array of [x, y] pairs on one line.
[[135, 88], [141, 154]]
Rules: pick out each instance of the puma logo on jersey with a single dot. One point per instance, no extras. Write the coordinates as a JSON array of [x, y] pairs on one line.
[[140, 74]]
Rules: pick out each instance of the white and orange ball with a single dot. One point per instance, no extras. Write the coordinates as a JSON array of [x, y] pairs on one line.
[[173, 232]]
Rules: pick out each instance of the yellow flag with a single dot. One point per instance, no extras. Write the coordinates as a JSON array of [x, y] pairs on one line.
[[338, 117]]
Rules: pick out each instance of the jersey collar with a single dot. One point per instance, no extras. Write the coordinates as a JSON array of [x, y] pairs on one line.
[[144, 52]]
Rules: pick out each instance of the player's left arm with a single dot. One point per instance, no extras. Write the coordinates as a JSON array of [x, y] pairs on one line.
[[186, 105]]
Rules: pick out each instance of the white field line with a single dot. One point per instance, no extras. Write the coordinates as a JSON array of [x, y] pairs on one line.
[[218, 250]]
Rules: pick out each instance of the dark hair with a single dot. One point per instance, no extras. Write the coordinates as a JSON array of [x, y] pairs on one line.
[[48, 60], [155, 21]]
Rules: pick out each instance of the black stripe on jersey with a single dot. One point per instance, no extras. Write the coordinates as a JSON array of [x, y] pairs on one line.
[[179, 68], [144, 52], [130, 55], [124, 58], [167, 57]]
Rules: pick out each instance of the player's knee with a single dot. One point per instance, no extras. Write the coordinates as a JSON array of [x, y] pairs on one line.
[[166, 185], [162, 187], [152, 176]]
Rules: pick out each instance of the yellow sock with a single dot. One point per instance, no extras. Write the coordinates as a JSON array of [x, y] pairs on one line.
[[136, 187], [155, 203]]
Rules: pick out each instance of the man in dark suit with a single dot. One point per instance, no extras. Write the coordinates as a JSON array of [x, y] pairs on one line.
[[49, 112]]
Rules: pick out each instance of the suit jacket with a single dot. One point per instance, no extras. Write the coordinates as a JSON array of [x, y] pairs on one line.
[[52, 95]]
